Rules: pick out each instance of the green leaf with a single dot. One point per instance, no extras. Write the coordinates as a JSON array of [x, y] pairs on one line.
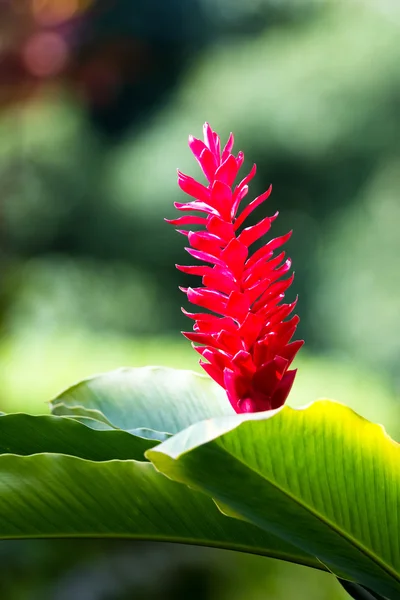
[[96, 420], [155, 398], [92, 417], [322, 478], [359, 592], [51, 495], [26, 434]]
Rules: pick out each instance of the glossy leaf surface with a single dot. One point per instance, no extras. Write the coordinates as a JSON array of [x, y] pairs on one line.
[[52, 495], [27, 434], [322, 478], [155, 398]]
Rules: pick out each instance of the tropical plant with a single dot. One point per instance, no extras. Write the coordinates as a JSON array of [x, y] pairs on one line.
[[163, 454]]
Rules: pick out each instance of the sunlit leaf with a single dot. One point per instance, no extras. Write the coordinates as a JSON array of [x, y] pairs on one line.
[[52, 495], [26, 434], [322, 478], [155, 398]]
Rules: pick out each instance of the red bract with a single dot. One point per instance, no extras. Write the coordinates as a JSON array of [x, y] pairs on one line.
[[247, 348]]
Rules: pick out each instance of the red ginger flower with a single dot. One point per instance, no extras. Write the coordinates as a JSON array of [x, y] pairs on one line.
[[247, 349]]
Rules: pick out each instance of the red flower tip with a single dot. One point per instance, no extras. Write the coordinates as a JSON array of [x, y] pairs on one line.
[[245, 339]]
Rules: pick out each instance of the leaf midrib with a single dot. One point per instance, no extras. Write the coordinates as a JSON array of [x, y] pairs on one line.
[[201, 542], [348, 538]]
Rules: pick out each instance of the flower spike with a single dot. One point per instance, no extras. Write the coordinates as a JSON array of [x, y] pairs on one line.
[[245, 339]]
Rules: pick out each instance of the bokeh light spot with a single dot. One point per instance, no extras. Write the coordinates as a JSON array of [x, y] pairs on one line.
[[45, 54], [52, 12]]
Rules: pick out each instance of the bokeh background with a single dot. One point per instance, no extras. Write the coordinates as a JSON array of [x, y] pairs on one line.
[[97, 98]]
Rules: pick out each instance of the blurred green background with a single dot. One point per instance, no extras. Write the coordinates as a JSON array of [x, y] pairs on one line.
[[97, 99]]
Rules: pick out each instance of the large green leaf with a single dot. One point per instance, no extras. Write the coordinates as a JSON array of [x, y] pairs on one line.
[[52, 495], [26, 434], [96, 420], [322, 478], [155, 398]]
